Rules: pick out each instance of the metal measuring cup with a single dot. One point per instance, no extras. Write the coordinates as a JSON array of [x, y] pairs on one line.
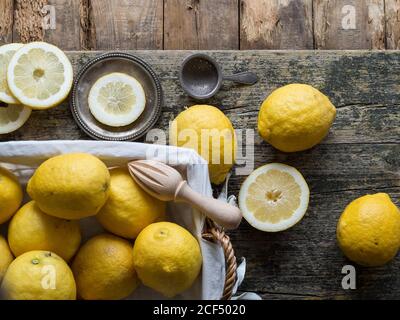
[[201, 76]]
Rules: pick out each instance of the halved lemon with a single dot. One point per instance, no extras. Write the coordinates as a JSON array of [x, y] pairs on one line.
[[274, 197], [6, 53], [13, 117], [117, 99], [40, 75]]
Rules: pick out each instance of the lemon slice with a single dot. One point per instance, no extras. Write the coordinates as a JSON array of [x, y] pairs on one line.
[[274, 197], [40, 75], [6, 53], [13, 117], [117, 100]]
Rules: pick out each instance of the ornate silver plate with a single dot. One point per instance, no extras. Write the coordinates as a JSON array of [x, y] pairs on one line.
[[105, 64]]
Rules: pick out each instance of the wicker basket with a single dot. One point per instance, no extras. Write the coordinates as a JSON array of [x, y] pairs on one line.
[[215, 233]]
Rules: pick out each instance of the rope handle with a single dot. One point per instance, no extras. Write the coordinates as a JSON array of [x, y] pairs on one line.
[[215, 233]]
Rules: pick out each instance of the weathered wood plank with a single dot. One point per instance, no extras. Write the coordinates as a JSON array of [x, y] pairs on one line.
[[392, 11], [6, 20], [349, 24], [305, 262], [64, 28], [359, 156], [54, 21], [201, 24], [127, 24], [28, 20], [276, 24]]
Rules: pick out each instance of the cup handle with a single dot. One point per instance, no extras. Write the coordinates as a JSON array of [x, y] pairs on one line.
[[249, 78]]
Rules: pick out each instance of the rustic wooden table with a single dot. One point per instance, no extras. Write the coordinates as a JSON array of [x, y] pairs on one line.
[[204, 24], [360, 155]]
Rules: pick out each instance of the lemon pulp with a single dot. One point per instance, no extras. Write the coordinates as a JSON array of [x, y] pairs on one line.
[[13, 117], [117, 99], [40, 75], [6, 53], [274, 197]]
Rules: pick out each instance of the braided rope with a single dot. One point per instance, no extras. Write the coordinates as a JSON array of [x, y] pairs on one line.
[[214, 233]]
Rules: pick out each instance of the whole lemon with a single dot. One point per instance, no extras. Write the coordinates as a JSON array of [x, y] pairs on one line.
[[167, 258], [208, 131], [295, 117], [129, 209], [70, 186], [103, 269], [368, 231], [31, 229], [6, 257], [38, 275], [10, 194]]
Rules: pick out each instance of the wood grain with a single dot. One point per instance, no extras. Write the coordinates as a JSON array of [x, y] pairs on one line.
[[53, 21], [6, 21], [66, 34], [333, 27], [127, 24], [276, 24], [201, 24], [392, 10], [28, 20], [359, 156]]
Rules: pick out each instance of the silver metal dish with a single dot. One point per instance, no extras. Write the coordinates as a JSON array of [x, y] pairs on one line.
[[103, 65]]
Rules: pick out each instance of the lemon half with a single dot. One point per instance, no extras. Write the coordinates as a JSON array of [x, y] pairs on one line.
[[6, 53], [274, 197], [40, 75], [117, 100], [13, 117]]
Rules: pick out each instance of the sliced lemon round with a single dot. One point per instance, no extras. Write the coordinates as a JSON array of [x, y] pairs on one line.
[[274, 197], [40, 75], [6, 53], [117, 99], [13, 117]]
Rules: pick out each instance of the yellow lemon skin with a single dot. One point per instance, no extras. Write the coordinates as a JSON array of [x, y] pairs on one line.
[[70, 186], [38, 275], [295, 118], [167, 258], [6, 257], [31, 229], [208, 124], [104, 270], [11, 195], [368, 231], [129, 209]]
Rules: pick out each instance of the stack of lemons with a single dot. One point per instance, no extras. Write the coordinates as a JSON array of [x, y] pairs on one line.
[[44, 235], [37, 76]]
